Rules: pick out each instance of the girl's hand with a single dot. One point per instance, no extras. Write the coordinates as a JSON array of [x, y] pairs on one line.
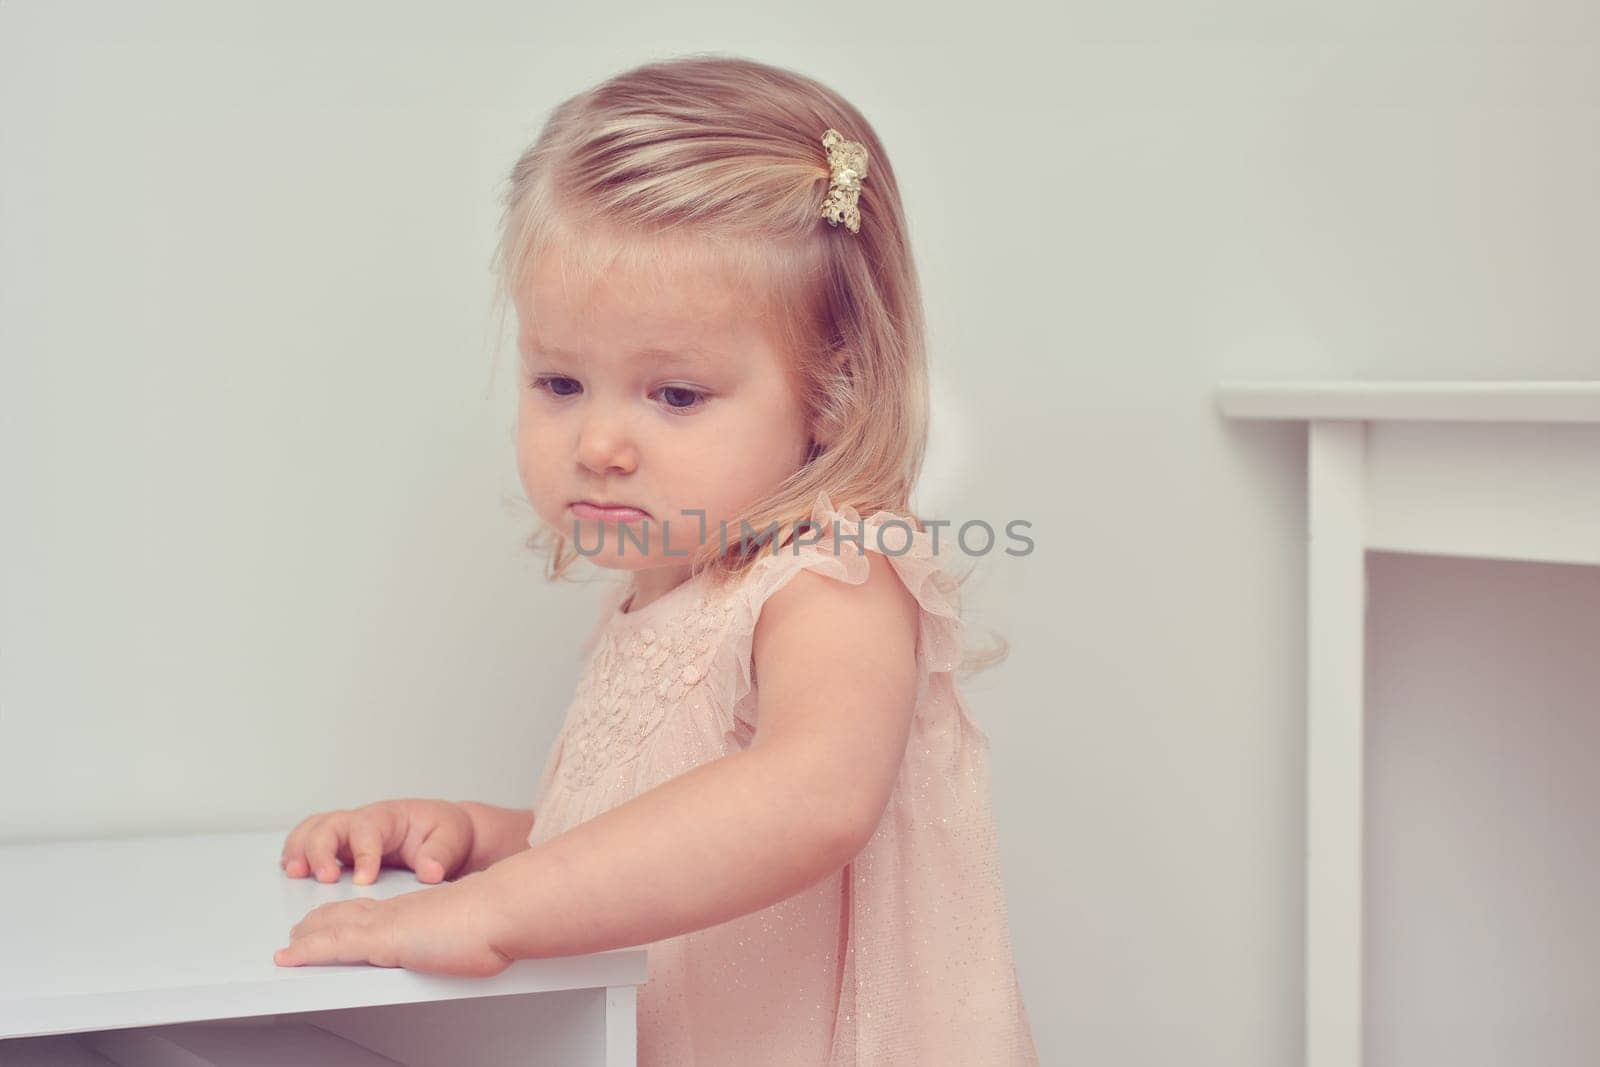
[[440, 930], [432, 837]]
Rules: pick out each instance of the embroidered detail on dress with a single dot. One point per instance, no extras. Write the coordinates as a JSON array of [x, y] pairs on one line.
[[634, 679]]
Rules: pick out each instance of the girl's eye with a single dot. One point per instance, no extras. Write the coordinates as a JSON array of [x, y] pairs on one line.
[[554, 384], [678, 398], [690, 398]]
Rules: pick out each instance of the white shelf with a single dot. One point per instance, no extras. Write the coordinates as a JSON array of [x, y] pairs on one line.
[[1372, 401], [137, 932]]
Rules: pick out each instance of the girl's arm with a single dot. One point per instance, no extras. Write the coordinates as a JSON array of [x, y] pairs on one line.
[[750, 829], [496, 834]]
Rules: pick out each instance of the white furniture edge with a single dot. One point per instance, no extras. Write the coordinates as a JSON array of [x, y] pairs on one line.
[[317, 988], [1487, 401], [1346, 460], [103, 905]]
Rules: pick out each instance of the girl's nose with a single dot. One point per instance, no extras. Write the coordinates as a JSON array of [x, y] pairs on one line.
[[606, 446]]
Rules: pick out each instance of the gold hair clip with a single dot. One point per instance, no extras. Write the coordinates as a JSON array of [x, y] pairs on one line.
[[847, 166]]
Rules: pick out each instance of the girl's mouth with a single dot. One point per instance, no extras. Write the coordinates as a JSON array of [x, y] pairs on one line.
[[607, 513]]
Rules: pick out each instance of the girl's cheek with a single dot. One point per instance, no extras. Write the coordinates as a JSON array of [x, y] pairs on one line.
[[530, 460]]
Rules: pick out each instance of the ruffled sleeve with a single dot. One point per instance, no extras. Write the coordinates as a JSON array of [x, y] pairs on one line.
[[910, 552], [928, 975]]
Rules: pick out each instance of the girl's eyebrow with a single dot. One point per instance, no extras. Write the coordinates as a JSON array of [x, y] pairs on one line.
[[683, 354]]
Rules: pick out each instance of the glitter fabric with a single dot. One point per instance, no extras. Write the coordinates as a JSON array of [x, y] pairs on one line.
[[903, 956]]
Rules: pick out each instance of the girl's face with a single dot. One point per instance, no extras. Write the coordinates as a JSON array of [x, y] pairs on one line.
[[659, 393]]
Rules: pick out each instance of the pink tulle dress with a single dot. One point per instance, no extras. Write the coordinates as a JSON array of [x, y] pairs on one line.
[[903, 956]]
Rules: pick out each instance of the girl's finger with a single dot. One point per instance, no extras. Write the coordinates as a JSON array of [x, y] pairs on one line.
[[334, 913], [366, 850], [322, 846], [436, 852], [313, 920], [334, 944], [293, 860]]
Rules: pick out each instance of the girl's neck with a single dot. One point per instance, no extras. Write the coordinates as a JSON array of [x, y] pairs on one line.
[[652, 584]]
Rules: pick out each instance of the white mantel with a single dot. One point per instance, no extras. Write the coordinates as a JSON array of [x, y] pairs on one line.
[[1501, 470], [1414, 401]]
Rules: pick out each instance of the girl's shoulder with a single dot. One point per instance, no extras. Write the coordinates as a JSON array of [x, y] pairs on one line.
[[859, 566]]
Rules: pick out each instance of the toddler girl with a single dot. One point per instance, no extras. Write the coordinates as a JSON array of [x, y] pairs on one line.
[[767, 775]]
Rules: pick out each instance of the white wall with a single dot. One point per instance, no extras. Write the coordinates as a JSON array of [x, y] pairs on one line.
[[1483, 735], [261, 550]]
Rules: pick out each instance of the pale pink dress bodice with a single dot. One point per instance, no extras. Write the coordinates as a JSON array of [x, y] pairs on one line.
[[901, 957]]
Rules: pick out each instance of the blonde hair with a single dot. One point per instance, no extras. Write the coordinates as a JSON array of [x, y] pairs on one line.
[[715, 164]]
